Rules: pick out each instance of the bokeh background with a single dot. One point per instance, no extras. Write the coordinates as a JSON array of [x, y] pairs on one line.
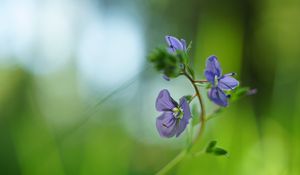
[[77, 94]]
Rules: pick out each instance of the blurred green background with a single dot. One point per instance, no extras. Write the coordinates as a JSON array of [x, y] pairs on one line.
[[77, 94]]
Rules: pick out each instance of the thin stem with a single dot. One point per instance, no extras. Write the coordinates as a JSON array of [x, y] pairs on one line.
[[213, 115], [172, 163], [202, 114], [192, 98], [200, 81]]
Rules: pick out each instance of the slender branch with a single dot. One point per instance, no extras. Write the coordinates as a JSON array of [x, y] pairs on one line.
[[173, 163], [192, 98], [202, 114], [213, 114], [200, 81]]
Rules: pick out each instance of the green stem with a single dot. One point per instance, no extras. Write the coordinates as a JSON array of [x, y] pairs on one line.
[[195, 95], [182, 154], [200, 81], [172, 163], [202, 107]]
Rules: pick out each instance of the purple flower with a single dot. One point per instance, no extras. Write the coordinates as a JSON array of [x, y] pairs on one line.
[[213, 74], [174, 118], [175, 44]]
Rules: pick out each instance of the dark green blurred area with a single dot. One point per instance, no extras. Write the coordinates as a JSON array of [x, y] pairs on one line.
[[56, 124]]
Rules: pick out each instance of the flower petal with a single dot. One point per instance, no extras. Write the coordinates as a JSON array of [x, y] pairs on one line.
[[174, 43], [218, 96], [164, 102], [180, 127], [185, 108], [183, 42], [182, 123], [166, 125], [210, 76], [212, 69], [227, 83]]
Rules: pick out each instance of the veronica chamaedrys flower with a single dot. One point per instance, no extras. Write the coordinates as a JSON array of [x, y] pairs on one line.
[[174, 117], [175, 44], [213, 74]]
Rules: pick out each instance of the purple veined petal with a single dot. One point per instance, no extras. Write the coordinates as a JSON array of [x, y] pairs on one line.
[[181, 125], [174, 43], [227, 83], [171, 50], [183, 42], [210, 77], [218, 96], [166, 125], [186, 116], [185, 109], [213, 68], [164, 102]]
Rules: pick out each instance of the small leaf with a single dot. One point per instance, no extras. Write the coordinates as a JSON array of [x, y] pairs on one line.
[[219, 151], [212, 149], [240, 92], [210, 146], [188, 98], [189, 46]]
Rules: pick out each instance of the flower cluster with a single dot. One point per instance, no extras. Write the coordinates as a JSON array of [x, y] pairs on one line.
[[173, 61]]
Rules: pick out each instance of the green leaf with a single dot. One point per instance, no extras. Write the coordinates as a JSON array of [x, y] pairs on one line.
[[212, 149], [188, 98], [241, 91], [210, 146], [219, 151], [238, 93]]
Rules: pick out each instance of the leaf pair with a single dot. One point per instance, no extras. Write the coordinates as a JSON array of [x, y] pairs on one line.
[[212, 149]]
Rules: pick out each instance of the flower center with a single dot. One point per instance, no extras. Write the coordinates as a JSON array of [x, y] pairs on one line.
[[177, 112], [216, 80]]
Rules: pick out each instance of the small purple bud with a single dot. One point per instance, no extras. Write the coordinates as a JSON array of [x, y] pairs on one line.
[[166, 78], [175, 44]]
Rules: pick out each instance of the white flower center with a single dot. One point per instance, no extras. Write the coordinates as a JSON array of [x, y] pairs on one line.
[[216, 80], [177, 112]]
